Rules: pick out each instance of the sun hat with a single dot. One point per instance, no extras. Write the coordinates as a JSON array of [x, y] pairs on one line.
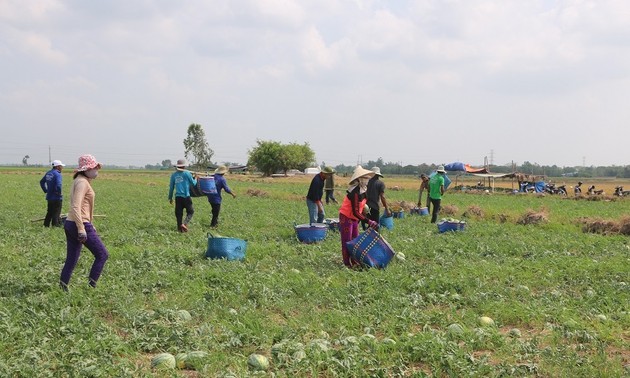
[[359, 172], [377, 171], [87, 162], [222, 169], [440, 169], [181, 164], [328, 169], [57, 163]]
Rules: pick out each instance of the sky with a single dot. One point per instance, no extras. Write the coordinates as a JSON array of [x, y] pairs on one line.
[[411, 82]]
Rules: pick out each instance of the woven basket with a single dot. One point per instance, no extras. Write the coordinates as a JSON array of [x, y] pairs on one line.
[[226, 248], [370, 249]]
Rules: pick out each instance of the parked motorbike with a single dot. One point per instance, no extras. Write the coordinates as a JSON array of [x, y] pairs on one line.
[[552, 189], [592, 192], [620, 192]]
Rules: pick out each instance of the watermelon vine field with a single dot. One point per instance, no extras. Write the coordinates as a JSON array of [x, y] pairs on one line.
[[498, 299]]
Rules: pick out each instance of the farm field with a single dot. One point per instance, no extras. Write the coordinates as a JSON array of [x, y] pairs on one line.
[[558, 297]]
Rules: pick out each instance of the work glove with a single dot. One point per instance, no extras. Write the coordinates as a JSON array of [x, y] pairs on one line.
[[82, 237], [372, 224]]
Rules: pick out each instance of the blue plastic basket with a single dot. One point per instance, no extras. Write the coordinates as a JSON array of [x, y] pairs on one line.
[[386, 221], [451, 226], [398, 214], [207, 185], [423, 211], [226, 248], [311, 233], [370, 249]]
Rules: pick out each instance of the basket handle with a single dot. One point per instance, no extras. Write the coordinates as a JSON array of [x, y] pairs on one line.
[[210, 235]]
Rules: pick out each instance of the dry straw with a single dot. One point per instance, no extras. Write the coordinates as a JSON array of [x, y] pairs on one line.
[[533, 217]]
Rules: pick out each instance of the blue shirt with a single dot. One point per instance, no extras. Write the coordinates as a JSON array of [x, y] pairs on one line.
[[180, 183], [221, 184], [51, 185]]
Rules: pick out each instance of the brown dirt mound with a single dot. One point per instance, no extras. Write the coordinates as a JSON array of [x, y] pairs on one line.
[[624, 226], [502, 218], [473, 211], [604, 226], [256, 193], [533, 217], [449, 210], [401, 205]]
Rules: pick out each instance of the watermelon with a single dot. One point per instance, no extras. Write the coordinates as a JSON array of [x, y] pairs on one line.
[[257, 362], [515, 333], [486, 321], [455, 329], [183, 315], [163, 361]]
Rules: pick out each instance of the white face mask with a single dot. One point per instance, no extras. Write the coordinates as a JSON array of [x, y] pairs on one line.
[[363, 182], [91, 173]]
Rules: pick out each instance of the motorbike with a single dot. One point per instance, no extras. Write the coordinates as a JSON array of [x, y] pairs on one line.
[[620, 192], [552, 189], [592, 192]]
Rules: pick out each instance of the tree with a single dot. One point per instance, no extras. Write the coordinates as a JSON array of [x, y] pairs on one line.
[[266, 157], [271, 157], [167, 163], [196, 148], [296, 156], [25, 160]]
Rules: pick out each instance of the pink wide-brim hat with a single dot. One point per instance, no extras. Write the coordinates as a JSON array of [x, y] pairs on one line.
[[88, 162]]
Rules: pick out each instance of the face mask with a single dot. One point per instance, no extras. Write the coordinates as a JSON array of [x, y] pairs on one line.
[[91, 173], [363, 182]]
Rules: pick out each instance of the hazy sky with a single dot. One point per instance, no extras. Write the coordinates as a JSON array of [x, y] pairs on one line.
[[413, 82]]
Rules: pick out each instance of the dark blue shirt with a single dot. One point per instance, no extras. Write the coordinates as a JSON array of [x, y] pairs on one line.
[[316, 190], [221, 184], [51, 185]]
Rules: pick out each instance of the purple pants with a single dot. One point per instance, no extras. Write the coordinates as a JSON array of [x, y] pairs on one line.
[[349, 229], [93, 243]]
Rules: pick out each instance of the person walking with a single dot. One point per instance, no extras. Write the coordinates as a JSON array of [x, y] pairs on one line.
[[78, 225], [329, 188], [314, 204], [180, 183], [215, 198], [351, 212], [424, 185], [436, 191], [375, 196], [51, 184]]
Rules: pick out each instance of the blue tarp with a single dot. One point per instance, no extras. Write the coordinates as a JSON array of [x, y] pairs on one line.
[[457, 166]]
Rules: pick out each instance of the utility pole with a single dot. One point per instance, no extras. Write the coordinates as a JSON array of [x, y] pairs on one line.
[[491, 157], [49, 158]]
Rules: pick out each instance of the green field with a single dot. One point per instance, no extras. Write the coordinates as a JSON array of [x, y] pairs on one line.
[[559, 297]]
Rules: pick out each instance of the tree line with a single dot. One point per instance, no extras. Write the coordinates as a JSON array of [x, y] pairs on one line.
[[269, 157]]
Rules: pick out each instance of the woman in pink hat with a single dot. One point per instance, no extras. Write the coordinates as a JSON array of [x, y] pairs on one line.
[[78, 225]]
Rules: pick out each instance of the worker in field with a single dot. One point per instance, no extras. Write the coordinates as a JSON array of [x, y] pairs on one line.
[[215, 198], [329, 188], [78, 226], [577, 190], [314, 196], [375, 196], [179, 184], [351, 212], [436, 191], [424, 185], [51, 185]]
